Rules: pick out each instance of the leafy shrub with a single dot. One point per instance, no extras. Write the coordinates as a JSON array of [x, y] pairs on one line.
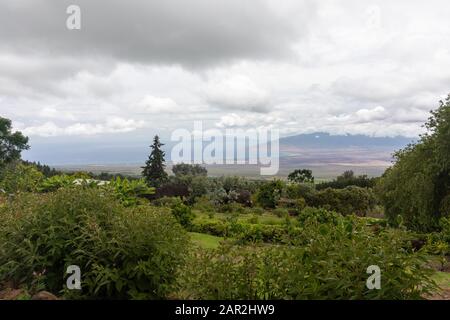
[[269, 194], [317, 214], [195, 186], [245, 232], [204, 204], [129, 191], [242, 231], [183, 214], [56, 182], [350, 200], [18, 177], [329, 261], [295, 191], [167, 202], [221, 197], [211, 226], [122, 252]]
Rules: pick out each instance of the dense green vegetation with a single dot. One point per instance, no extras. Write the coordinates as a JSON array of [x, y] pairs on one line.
[[192, 236], [416, 189], [40, 235]]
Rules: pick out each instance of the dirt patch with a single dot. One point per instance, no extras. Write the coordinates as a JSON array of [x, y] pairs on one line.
[[11, 294], [443, 295]]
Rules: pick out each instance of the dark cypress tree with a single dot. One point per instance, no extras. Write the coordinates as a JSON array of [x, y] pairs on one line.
[[154, 172]]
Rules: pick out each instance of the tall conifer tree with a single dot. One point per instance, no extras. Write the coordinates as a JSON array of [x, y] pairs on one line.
[[153, 171]]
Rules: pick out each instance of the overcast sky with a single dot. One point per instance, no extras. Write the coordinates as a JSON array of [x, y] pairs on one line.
[[140, 67]]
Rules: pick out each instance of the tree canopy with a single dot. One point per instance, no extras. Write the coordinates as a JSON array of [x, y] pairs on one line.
[[346, 179], [11, 143], [301, 176], [416, 189], [184, 169]]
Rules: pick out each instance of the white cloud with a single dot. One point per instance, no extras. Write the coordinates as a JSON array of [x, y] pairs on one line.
[[151, 104], [237, 92], [250, 120], [112, 125], [53, 113], [342, 68]]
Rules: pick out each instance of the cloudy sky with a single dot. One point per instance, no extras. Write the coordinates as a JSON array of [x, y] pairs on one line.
[[142, 67]]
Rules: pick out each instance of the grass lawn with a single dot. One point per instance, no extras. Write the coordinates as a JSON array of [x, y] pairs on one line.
[[205, 240]]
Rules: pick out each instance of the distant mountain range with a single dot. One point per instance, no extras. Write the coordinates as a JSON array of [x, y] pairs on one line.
[[321, 140], [327, 155], [322, 148]]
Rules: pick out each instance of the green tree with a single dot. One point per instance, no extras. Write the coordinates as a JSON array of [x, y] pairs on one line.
[[154, 172], [269, 194], [301, 176], [417, 186], [11, 143], [184, 169], [346, 179]]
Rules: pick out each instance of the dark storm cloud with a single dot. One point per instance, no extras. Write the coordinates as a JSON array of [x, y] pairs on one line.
[[191, 33]]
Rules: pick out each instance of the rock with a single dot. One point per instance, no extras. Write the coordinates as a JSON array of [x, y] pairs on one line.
[[44, 295]]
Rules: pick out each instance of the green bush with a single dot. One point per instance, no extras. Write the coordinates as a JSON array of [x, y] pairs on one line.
[[211, 226], [350, 200], [242, 231], [329, 261], [317, 214], [296, 191], [183, 214], [204, 204], [167, 202], [18, 177], [56, 182], [122, 252], [129, 192], [269, 194]]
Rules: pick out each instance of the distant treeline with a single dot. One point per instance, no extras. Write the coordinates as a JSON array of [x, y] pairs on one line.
[[348, 178], [49, 172]]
